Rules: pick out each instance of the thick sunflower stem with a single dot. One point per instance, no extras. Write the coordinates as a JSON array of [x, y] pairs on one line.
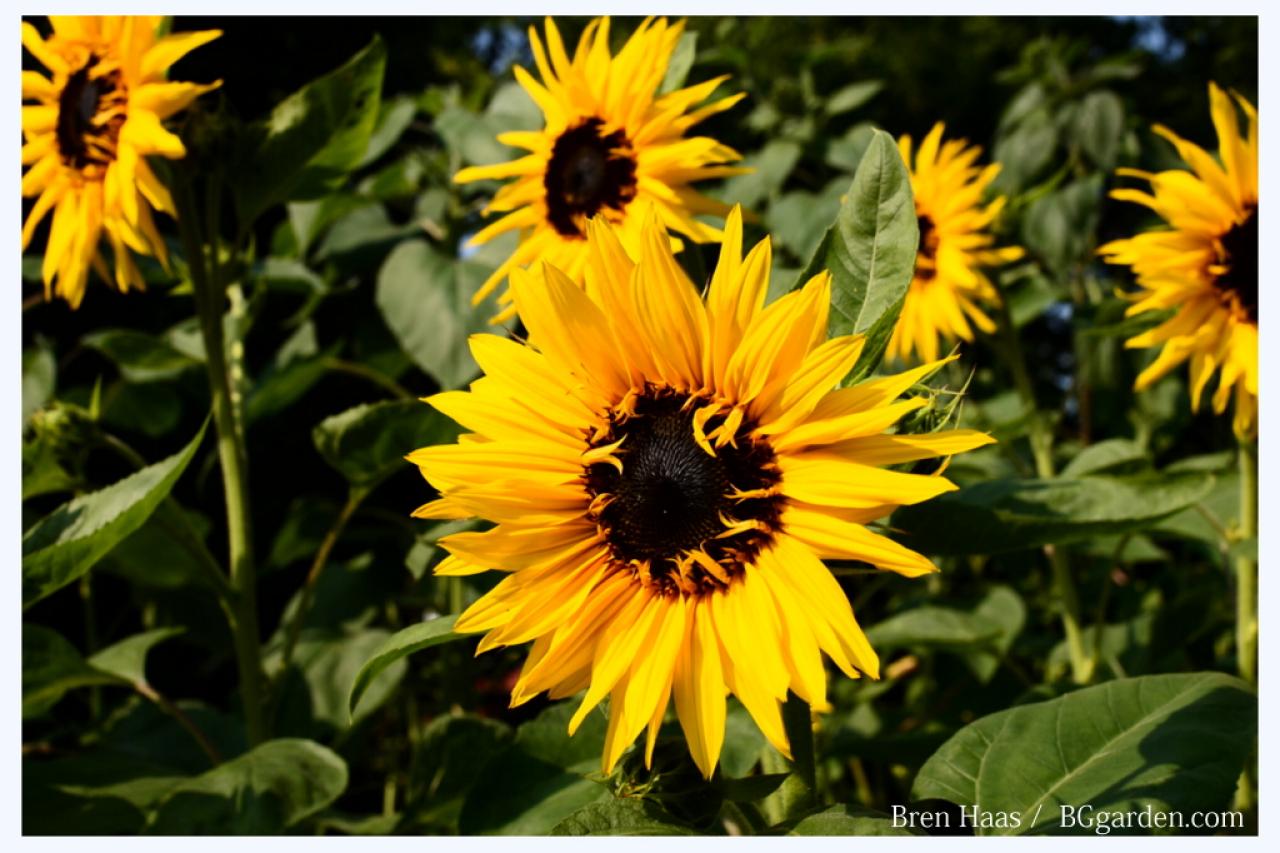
[[210, 298], [1246, 567]]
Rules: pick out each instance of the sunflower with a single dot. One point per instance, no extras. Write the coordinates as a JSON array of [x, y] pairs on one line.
[[93, 122], [610, 141], [664, 475], [949, 289], [1205, 265]]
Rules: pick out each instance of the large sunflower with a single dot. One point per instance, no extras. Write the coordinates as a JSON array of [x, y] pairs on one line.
[[1205, 265], [664, 476], [610, 141], [949, 288], [93, 122]]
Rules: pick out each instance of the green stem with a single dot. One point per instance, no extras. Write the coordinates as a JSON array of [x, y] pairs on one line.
[[1246, 567], [210, 298]]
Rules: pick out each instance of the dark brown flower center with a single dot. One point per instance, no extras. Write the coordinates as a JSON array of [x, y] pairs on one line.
[[926, 256], [1240, 256], [672, 498], [589, 170], [90, 112]]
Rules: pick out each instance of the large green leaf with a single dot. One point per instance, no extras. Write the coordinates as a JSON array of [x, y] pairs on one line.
[[621, 817], [425, 299], [1174, 742], [370, 441], [847, 820], [982, 633], [313, 137], [400, 645], [1058, 227], [127, 659], [1099, 127], [100, 791], [67, 543], [451, 754], [329, 666], [1011, 515], [1105, 456], [50, 667], [541, 779], [870, 251], [852, 96], [262, 792], [140, 357]]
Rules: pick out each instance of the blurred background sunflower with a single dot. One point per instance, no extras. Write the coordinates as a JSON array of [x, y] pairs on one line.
[[91, 124], [949, 293], [1204, 265], [611, 140]]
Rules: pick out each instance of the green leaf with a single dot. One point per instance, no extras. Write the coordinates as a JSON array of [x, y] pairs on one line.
[[541, 779], [399, 645], [151, 408], [425, 299], [749, 789], [982, 633], [870, 251], [50, 667], [931, 625], [140, 357], [1099, 126], [1104, 456], [1025, 151], [621, 817], [680, 63], [845, 152], [67, 543], [42, 469], [1059, 227], [263, 792], [852, 96], [314, 137], [127, 659], [370, 441], [94, 792], [39, 371], [450, 757], [848, 820], [1174, 742], [329, 667], [394, 118], [772, 165], [1010, 515], [743, 741], [797, 220]]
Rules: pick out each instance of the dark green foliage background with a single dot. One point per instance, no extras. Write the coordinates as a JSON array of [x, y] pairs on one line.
[[334, 303]]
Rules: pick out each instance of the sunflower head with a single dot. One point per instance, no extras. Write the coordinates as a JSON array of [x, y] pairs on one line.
[[949, 291], [1202, 262], [662, 475], [609, 141], [88, 127]]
